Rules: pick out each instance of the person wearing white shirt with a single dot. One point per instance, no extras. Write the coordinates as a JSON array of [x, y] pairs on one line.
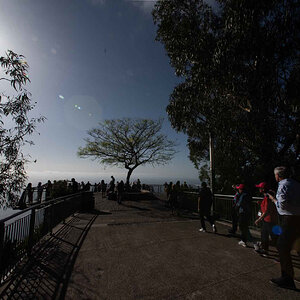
[[287, 202]]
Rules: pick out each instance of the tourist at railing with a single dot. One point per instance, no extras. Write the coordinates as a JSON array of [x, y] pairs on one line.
[[87, 186], [120, 191], [244, 210], [268, 217], [39, 192], [234, 211], [103, 188], [287, 201], [48, 190], [204, 207]]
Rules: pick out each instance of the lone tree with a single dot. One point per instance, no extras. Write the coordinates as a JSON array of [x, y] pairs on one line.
[[128, 143], [15, 125], [240, 69]]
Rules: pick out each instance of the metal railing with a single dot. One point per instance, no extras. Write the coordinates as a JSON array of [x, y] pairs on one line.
[[222, 203], [21, 231]]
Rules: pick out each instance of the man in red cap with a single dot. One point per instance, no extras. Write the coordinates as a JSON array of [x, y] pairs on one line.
[[268, 218], [244, 209]]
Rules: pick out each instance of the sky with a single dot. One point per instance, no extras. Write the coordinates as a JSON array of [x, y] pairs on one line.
[[100, 55]]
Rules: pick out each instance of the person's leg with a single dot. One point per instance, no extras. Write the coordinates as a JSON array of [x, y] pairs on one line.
[[243, 224], [284, 244], [234, 220], [265, 236], [202, 221]]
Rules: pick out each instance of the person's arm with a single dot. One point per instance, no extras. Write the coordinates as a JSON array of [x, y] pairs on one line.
[[199, 199], [281, 198], [263, 215]]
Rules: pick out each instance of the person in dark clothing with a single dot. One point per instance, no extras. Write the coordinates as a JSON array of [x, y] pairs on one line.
[[39, 192], [88, 186], [29, 192], [244, 210], [204, 207], [103, 188], [74, 186], [112, 184], [234, 212], [48, 190], [121, 190]]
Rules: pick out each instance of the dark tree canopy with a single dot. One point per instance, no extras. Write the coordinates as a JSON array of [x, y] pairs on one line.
[[241, 78], [128, 143], [15, 124]]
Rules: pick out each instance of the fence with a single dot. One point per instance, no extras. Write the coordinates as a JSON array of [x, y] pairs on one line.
[[222, 203], [21, 231]]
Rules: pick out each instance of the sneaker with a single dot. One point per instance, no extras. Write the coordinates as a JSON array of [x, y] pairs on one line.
[[262, 252], [202, 230], [284, 282], [241, 243], [214, 228], [256, 247]]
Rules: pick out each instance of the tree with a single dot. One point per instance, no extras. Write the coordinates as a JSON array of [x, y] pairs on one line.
[[128, 143], [240, 69], [15, 125]]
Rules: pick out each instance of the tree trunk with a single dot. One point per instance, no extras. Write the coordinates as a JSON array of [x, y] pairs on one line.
[[128, 175]]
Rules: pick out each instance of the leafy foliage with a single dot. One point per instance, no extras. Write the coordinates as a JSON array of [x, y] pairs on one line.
[[128, 143], [239, 62], [15, 125]]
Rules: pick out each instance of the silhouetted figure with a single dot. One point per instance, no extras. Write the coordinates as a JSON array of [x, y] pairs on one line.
[[112, 184], [22, 200], [48, 190], [82, 186], [169, 190], [121, 190], [39, 192], [103, 188], [204, 207], [29, 192], [74, 186], [88, 186], [138, 185]]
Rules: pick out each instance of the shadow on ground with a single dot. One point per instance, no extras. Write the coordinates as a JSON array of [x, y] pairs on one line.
[[45, 274]]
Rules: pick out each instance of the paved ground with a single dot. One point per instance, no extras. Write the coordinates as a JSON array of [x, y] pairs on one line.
[[139, 251]]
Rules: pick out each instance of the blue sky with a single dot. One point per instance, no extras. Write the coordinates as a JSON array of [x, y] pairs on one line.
[[100, 55]]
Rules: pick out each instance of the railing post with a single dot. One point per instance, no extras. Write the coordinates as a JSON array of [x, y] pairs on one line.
[[2, 228], [31, 232]]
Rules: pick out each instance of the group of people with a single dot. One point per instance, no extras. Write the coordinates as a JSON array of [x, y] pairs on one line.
[[174, 194], [279, 217], [116, 190]]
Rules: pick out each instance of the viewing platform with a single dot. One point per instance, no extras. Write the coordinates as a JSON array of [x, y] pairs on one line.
[[139, 250]]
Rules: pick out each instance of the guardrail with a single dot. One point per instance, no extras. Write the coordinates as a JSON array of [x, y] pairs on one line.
[[222, 203], [21, 231]]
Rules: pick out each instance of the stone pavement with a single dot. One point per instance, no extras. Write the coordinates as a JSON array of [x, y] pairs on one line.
[[137, 250]]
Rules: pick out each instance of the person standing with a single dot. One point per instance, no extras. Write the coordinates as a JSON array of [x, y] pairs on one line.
[[287, 202], [268, 218], [204, 207], [29, 192], [39, 192], [120, 189], [244, 209], [234, 212], [74, 186], [103, 188]]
